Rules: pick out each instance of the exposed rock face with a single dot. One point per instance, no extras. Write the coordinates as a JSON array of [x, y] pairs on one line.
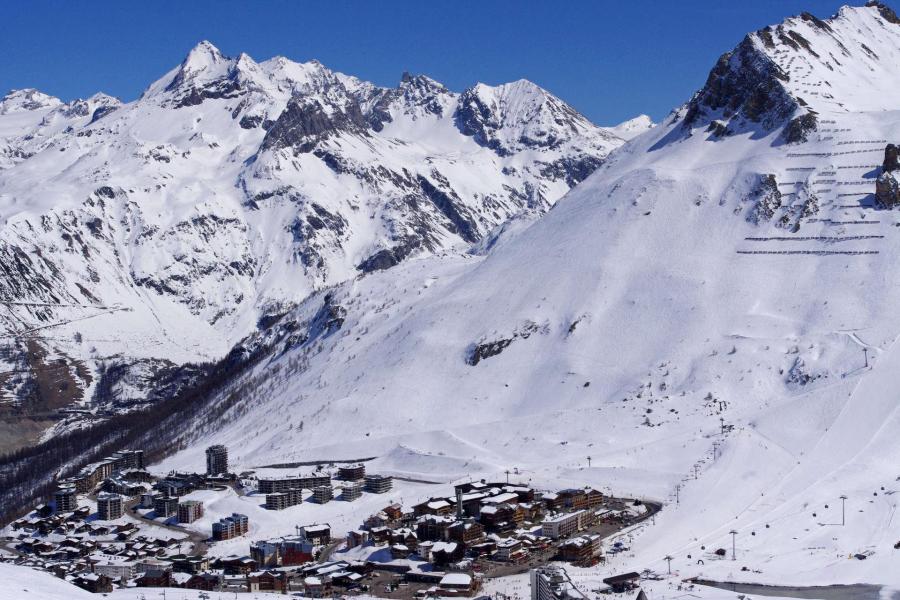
[[305, 122], [799, 128], [784, 76], [744, 88], [886, 12], [766, 199], [485, 113], [887, 190], [887, 186], [268, 182], [891, 158]]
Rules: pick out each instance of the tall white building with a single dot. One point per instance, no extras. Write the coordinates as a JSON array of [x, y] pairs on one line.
[[216, 460], [553, 583]]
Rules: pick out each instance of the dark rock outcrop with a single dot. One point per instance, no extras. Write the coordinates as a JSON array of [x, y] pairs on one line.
[[744, 87], [887, 190], [887, 186], [891, 158], [886, 12], [305, 122], [799, 128], [766, 199]]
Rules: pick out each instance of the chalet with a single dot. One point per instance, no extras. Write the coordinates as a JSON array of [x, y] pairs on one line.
[[511, 550], [94, 583], [574, 499], [444, 553], [155, 578], [532, 511], [405, 536], [267, 581], [399, 551], [318, 534], [432, 527], [504, 498], [465, 532], [553, 502], [435, 506], [525, 493], [203, 581], [583, 550], [316, 587], [357, 538], [236, 565], [393, 511], [424, 550], [182, 563], [346, 579], [379, 519], [485, 548], [502, 517], [472, 486], [595, 498], [381, 535]]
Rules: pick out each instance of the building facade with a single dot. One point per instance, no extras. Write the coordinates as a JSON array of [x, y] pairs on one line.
[[379, 484], [189, 511], [216, 460], [110, 506]]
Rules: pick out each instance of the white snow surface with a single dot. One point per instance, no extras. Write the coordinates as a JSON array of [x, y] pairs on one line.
[[634, 284], [178, 208], [755, 388]]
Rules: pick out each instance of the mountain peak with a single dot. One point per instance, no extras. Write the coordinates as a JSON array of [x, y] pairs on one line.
[[26, 99], [632, 127], [203, 55], [520, 114], [784, 76]]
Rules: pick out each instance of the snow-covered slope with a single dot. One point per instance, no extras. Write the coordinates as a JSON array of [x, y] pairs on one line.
[[231, 190], [633, 127], [711, 311]]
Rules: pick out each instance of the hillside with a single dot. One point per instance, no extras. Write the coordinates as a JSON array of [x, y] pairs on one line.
[[140, 236], [711, 309]]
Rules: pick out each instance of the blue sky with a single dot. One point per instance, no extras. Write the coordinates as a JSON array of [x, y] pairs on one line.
[[610, 60]]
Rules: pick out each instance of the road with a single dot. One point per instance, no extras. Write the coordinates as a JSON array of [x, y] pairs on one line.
[[198, 540], [493, 569]]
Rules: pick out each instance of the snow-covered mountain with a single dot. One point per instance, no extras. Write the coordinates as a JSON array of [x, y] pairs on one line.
[[709, 317], [231, 190]]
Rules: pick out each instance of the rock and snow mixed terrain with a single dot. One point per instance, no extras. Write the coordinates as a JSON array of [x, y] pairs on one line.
[[717, 270], [709, 316], [231, 190]]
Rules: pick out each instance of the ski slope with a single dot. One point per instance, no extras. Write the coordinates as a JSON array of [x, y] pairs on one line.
[[667, 296]]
